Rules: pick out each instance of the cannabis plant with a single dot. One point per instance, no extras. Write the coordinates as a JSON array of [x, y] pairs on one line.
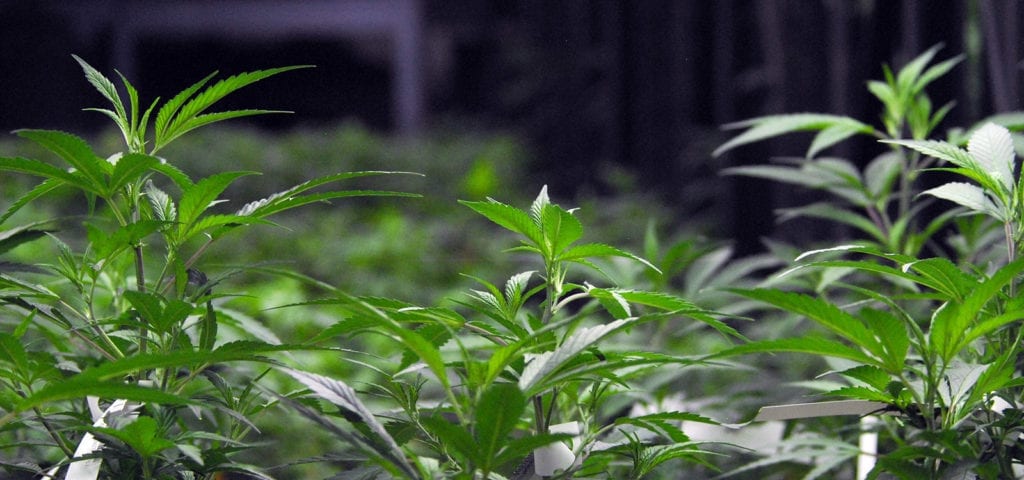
[[114, 351], [920, 314], [530, 377]]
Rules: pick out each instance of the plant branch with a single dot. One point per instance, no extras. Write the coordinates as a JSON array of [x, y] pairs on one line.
[[54, 434]]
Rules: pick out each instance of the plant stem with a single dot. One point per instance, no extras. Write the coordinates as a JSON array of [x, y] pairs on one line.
[[486, 334], [140, 276], [907, 176], [1011, 245], [538, 415], [90, 317], [880, 222], [54, 434]]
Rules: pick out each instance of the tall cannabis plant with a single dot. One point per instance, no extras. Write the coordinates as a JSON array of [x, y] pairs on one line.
[[112, 353]]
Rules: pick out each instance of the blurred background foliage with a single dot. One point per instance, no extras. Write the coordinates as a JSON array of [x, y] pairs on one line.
[[601, 93]]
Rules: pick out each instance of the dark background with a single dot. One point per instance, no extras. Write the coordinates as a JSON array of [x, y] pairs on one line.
[[591, 86]]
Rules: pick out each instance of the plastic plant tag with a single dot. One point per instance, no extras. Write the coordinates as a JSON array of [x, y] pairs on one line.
[[868, 444], [89, 469], [555, 457], [819, 409], [868, 441]]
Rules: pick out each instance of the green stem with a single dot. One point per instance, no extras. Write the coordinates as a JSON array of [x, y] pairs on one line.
[[1011, 245], [140, 283], [486, 334], [164, 284], [907, 176], [90, 318], [54, 434], [881, 222], [539, 418]]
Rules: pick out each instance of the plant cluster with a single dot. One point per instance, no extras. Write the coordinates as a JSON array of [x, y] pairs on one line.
[[112, 349], [920, 310], [121, 359], [121, 355]]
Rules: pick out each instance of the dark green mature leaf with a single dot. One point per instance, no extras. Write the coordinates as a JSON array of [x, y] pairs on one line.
[[17, 291], [822, 312], [456, 438], [943, 276], [940, 150], [584, 251], [47, 171], [107, 244], [148, 305], [196, 199], [952, 324], [342, 395], [614, 366], [179, 178], [169, 109], [142, 435], [249, 351], [497, 415], [161, 203], [891, 333], [20, 235], [874, 377], [77, 153], [510, 218], [366, 314], [666, 424], [812, 345], [989, 324], [47, 186], [129, 168], [618, 301], [159, 313], [613, 302], [220, 224], [80, 386], [560, 228], [13, 352], [290, 198], [436, 334], [181, 116], [546, 363], [901, 467], [996, 376]]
